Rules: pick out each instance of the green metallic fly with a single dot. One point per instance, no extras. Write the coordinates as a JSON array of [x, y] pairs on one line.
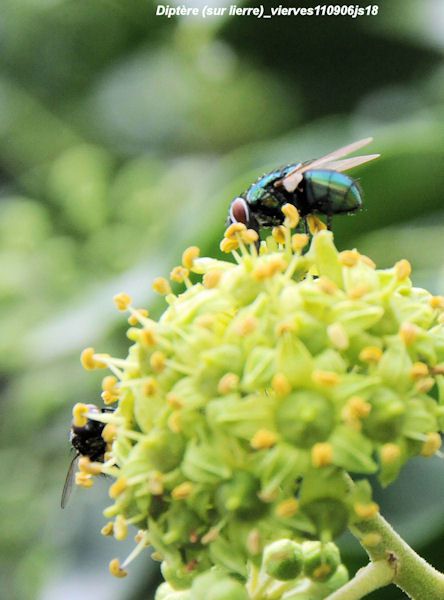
[[315, 186]]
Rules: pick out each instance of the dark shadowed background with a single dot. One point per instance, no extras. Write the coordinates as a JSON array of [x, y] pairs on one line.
[[123, 137]]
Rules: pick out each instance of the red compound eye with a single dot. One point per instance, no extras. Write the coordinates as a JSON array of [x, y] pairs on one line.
[[239, 211]]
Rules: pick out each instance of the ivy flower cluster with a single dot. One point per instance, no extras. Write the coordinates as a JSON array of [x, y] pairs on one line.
[[242, 412]]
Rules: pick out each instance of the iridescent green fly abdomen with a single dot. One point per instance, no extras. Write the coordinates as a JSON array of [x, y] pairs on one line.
[[330, 192]]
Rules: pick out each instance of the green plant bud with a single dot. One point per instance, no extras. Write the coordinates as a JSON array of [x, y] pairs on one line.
[[202, 463], [387, 415], [354, 385], [230, 555], [326, 257], [214, 364], [293, 359], [163, 449], [240, 497], [311, 332], [181, 522], [241, 416], [352, 451], [216, 586], [395, 366], [338, 579], [330, 360], [283, 560], [177, 574], [419, 419], [259, 369], [320, 560], [305, 418], [279, 467], [355, 315], [324, 499]]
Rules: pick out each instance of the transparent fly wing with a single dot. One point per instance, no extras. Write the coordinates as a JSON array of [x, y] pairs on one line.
[[349, 163], [293, 179], [67, 488]]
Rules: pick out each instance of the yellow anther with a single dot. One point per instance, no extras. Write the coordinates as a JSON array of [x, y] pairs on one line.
[[280, 384], [327, 286], [118, 487], [287, 508], [438, 369], [424, 385], [315, 225], [322, 455], [371, 539], [349, 258], [279, 234], [174, 400], [157, 556], [108, 397], [277, 264], [120, 528], [107, 529], [158, 361], [299, 241], [122, 301], [233, 229], [141, 536], [84, 479], [228, 384], [182, 491], [134, 319], [253, 542], [262, 439], [292, 216], [116, 570], [370, 354], [338, 336], [431, 445], [155, 483], [161, 286], [358, 291], [409, 333], [109, 433], [262, 271], [211, 535], [205, 321], [109, 384], [285, 327], [390, 453], [150, 386], [227, 245], [403, 269], [325, 378], [101, 360], [366, 511], [212, 279], [368, 261], [79, 412], [175, 422], [356, 408], [147, 336], [246, 325], [322, 572], [179, 274], [87, 359], [189, 256], [250, 236], [437, 302], [88, 466]]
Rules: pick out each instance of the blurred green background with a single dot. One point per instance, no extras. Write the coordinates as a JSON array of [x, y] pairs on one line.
[[123, 138]]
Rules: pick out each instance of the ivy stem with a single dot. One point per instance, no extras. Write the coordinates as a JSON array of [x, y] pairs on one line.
[[375, 575], [407, 570]]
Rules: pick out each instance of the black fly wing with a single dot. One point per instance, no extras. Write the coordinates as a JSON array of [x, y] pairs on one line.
[[67, 488]]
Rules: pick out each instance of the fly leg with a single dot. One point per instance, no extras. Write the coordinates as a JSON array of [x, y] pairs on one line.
[[330, 222], [305, 225]]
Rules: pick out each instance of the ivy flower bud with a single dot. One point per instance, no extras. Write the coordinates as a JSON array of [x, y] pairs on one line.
[[283, 560]]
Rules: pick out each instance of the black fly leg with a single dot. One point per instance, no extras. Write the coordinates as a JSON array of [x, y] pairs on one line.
[[330, 222], [305, 225]]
